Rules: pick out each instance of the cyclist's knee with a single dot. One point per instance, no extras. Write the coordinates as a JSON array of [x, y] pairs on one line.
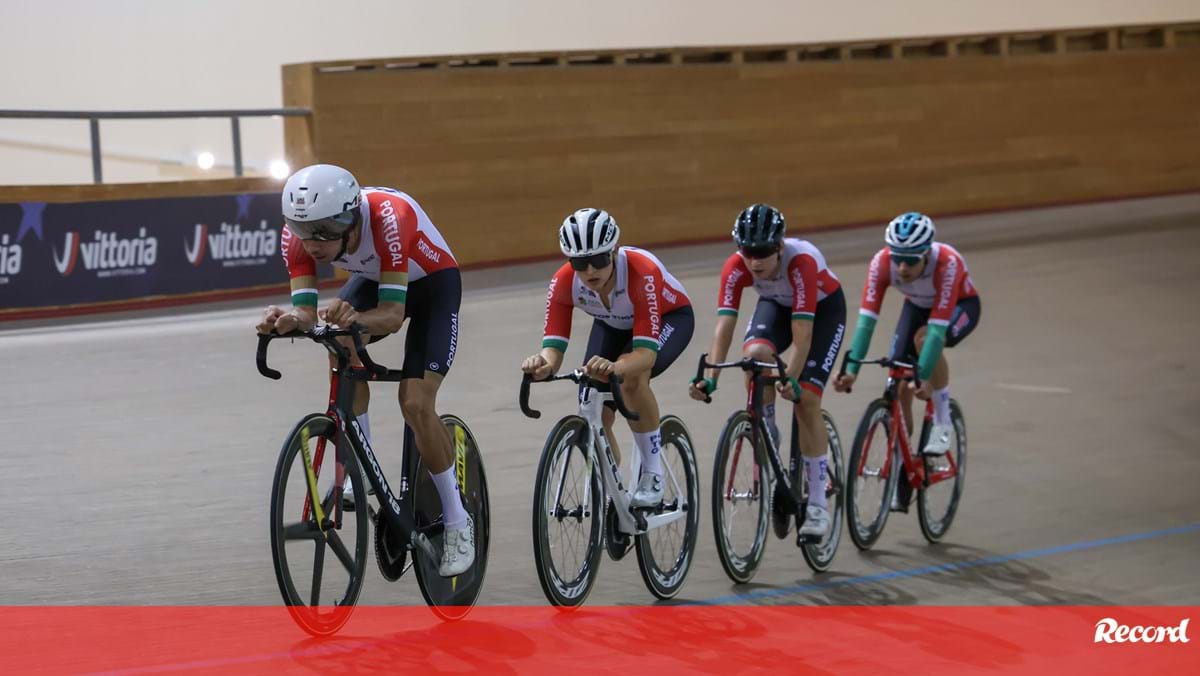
[[809, 402], [636, 383], [759, 350], [919, 338], [417, 403]]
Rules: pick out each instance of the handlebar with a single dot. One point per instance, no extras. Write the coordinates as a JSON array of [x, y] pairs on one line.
[[326, 335], [745, 364], [582, 378], [886, 362]]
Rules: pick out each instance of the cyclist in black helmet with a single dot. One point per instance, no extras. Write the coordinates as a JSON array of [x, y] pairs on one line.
[[800, 302]]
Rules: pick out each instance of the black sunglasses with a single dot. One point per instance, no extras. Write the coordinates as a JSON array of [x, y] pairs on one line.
[[597, 261], [759, 251]]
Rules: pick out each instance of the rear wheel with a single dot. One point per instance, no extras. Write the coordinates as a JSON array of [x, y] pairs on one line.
[[319, 551], [740, 508], [937, 503], [451, 598], [665, 553], [871, 476]]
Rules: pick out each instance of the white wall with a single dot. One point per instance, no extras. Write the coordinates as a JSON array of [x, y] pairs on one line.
[[176, 54]]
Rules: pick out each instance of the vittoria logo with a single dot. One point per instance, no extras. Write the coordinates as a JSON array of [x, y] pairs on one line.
[[231, 245], [106, 254], [10, 259]]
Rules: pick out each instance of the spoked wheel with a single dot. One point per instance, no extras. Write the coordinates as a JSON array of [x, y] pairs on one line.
[[451, 598], [665, 553], [740, 499], [871, 476], [319, 551], [819, 555], [938, 502], [568, 515]]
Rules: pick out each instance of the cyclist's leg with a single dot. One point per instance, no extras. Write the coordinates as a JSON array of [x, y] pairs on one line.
[[677, 329], [962, 323], [769, 333], [363, 295], [429, 348], [607, 342], [912, 319], [829, 329]]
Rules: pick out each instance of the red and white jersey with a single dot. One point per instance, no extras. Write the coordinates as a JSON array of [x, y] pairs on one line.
[[643, 293], [804, 281], [398, 245], [942, 283]]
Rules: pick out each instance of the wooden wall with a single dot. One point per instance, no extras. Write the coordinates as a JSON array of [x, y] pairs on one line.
[[499, 148]]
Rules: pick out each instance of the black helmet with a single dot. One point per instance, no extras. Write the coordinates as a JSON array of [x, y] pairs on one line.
[[759, 225]]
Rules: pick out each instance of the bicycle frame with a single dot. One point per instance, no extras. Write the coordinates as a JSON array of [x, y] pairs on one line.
[[397, 510], [591, 409]]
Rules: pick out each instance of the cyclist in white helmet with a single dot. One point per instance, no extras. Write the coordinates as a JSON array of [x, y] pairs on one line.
[[401, 268], [941, 308], [643, 322]]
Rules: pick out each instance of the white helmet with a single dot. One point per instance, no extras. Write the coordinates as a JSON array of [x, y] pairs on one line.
[[321, 202], [587, 232], [910, 233]]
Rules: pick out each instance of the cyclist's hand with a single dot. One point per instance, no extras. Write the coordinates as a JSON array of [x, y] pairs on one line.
[[599, 366], [270, 316], [844, 382], [924, 392], [537, 366], [287, 323], [699, 390], [339, 312], [785, 390]]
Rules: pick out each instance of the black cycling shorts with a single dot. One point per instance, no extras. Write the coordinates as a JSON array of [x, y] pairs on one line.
[[912, 318], [610, 343]]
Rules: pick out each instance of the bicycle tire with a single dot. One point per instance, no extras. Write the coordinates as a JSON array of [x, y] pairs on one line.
[[875, 420], [665, 583], [819, 555], [738, 567], [567, 442], [308, 615], [934, 529]]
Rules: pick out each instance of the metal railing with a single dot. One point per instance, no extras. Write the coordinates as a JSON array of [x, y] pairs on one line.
[[94, 116]]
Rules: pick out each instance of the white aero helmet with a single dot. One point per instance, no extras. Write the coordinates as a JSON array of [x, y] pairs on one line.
[[321, 202], [588, 232], [910, 233]]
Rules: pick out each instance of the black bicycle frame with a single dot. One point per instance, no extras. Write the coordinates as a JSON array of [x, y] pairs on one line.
[[397, 510], [758, 382]]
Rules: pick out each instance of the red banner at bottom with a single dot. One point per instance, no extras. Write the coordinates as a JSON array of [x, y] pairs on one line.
[[661, 639]]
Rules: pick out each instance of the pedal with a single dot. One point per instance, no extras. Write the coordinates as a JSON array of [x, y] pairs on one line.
[[902, 498], [639, 518], [616, 543], [802, 540]]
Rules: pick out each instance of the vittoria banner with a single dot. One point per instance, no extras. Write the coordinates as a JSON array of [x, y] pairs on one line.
[[54, 255]]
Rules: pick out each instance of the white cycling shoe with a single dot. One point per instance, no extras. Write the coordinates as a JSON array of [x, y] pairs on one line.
[[649, 491], [816, 523], [939, 440], [458, 550]]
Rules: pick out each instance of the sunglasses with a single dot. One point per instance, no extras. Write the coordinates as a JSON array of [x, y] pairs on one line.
[[910, 260], [596, 261], [759, 252], [328, 229]]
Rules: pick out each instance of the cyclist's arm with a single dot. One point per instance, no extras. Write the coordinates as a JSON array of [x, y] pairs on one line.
[[384, 319], [802, 272], [735, 277], [948, 276], [722, 339], [802, 331], [878, 278], [636, 361], [556, 330], [302, 274]]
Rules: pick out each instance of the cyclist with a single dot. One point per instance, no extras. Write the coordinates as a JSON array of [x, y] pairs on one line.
[[401, 267], [941, 308], [643, 322], [800, 302]]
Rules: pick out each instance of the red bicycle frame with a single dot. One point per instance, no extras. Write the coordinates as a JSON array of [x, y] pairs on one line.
[[898, 437]]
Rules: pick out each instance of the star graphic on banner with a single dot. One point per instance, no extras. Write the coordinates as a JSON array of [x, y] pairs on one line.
[[31, 219], [243, 202]]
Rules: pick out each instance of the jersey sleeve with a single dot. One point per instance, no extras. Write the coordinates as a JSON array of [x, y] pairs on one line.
[[645, 292], [391, 219], [559, 305], [302, 269], [803, 272], [735, 277]]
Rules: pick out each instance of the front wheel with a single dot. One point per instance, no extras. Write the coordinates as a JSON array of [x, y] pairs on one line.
[[937, 502], [451, 598], [319, 551], [819, 555], [740, 488], [871, 476], [568, 515], [665, 553]]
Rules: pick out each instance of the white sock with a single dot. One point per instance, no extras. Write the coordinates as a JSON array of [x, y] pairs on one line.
[[650, 445], [815, 470], [769, 418], [365, 423], [941, 406], [453, 514]]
